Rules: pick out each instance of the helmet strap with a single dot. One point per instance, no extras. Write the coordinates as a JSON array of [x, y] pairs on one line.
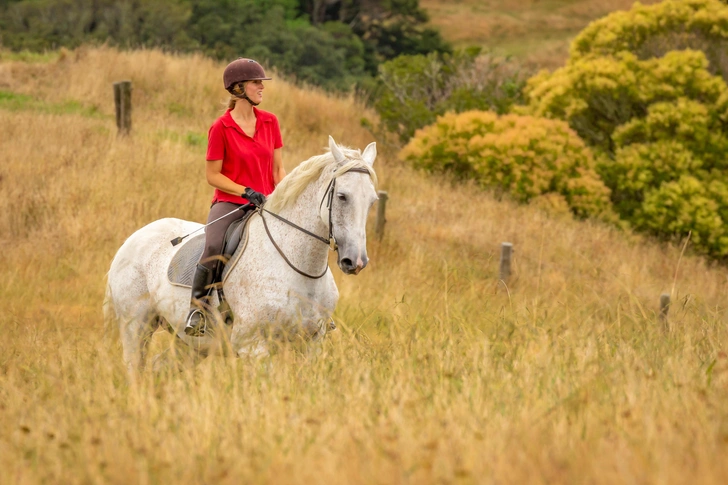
[[246, 98], [242, 94]]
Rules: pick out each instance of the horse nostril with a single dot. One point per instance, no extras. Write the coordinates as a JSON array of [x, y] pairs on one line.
[[346, 263]]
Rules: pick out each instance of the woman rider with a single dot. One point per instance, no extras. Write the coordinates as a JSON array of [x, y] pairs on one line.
[[243, 165]]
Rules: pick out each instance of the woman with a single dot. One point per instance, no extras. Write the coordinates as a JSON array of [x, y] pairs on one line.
[[243, 164]]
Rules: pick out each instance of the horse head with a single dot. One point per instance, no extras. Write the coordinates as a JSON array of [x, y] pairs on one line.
[[350, 196]]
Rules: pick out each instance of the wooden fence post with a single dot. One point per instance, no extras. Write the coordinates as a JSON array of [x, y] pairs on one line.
[[381, 208], [664, 308], [505, 261], [122, 100]]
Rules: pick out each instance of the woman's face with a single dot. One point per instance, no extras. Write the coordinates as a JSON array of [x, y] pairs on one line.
[[254, 90]]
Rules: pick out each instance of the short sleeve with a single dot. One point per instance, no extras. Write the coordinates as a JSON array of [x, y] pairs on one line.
[[216, 142], [277, 139]]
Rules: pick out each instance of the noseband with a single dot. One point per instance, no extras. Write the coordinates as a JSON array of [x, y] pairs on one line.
[[331, 241]]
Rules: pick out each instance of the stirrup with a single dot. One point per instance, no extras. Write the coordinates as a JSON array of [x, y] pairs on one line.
[[198, 327]]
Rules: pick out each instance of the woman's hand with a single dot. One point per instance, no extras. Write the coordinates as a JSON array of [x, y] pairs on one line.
[[253, 196]]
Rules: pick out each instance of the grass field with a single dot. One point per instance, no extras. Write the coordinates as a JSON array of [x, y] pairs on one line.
[[437, 373], [536, 31]]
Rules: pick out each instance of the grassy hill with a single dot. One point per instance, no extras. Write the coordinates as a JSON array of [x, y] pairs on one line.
[[535, 31], [438, 373]]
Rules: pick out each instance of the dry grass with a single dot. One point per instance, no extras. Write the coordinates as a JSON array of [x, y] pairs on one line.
[[436, 375], [536, 31]]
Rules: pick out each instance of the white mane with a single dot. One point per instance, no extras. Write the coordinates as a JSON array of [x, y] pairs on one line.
[[311, 170]]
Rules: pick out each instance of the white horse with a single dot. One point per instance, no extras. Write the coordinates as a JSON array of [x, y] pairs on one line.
[[272, 291]]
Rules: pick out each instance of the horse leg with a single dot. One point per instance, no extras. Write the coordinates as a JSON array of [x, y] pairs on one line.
[[135, 336], [177, 358]]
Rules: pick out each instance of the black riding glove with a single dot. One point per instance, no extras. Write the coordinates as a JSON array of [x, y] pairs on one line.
[[254, 197]]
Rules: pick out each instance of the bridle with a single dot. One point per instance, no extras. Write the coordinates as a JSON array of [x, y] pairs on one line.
[[331, 241]]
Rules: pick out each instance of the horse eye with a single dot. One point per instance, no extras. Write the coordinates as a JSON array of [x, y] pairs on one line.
[[341, 197]]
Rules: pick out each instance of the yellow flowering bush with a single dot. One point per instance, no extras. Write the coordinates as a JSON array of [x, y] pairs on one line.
[[689, 203], [646, 90], [653, 30], [526, 157], [598, 94]]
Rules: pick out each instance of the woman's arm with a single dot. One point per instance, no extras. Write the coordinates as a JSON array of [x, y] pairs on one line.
[[278, 171], [219, 181]]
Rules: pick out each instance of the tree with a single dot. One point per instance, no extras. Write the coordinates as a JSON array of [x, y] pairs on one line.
[[332, 43], [657, 118], [416, 89], [388, 28]]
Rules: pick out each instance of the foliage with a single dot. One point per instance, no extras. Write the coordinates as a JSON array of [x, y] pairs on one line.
[[335, 51], [48, 24], [596, 95], [654, 30], [657, 115], [524, 156], [668, 176], [387, 28], [689, 204], [330, 56], [416, 89]]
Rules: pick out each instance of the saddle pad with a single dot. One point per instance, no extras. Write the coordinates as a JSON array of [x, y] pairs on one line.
[[182, 267]]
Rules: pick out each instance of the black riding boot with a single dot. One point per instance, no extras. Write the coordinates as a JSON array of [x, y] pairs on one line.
[[201, 291]]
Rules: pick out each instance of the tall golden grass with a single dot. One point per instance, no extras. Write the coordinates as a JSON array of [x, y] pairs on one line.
[[437, 373]]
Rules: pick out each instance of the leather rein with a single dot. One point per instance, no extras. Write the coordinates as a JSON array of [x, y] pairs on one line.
[[331, 241]]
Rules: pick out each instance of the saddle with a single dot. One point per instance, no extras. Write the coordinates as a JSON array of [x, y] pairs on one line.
[[181, 268]]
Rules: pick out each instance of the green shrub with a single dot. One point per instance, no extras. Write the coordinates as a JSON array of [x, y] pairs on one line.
[[596, 95], [689, 205], [523, 156], [646, 89], [660, 127], [416, 89], [641, 168]]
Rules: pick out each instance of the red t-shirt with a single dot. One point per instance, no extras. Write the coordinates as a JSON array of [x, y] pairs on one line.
[[246, 161]]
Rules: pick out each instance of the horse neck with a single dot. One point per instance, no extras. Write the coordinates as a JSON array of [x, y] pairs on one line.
[[304, 212]]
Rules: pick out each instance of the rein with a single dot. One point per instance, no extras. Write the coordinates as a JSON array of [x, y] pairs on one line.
[[331, 241]]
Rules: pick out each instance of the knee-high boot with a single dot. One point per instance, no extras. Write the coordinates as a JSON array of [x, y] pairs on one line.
[[199, 304]]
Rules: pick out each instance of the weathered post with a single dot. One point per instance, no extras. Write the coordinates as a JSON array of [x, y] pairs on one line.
[[122, 100], [664, 308], [505, 261], [381, 209]]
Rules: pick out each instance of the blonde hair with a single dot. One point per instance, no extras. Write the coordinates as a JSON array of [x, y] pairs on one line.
[[237, 88]]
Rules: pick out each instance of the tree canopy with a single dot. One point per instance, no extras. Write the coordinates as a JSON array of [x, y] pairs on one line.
[[331, 43]]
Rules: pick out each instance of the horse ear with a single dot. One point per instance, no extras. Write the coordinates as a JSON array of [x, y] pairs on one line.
[[335, 150], [370, 153]]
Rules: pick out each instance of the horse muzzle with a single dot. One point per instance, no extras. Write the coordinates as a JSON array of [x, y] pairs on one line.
[[353, 265]]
